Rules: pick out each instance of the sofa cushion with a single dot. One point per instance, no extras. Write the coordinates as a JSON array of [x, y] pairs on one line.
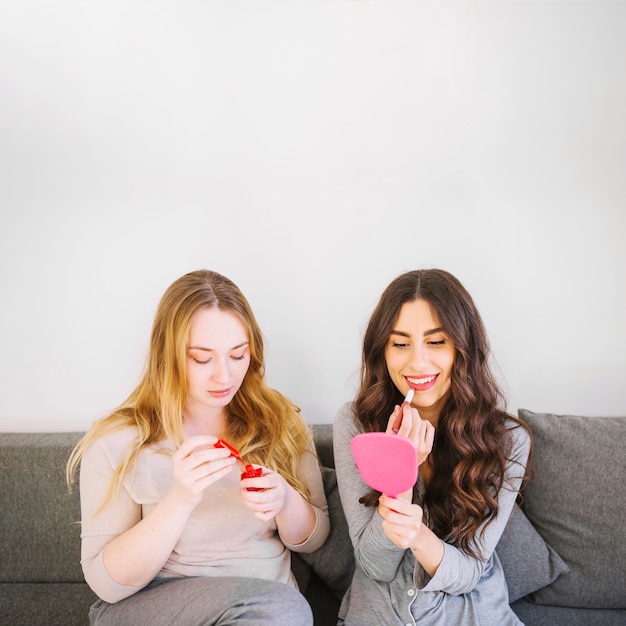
[[529, 563], [30, 604], [543, 615], [576, 502], [39, 523], [323, 437], [334, 561]]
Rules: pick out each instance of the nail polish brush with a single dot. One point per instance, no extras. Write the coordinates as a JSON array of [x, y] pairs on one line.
[[248, 471]]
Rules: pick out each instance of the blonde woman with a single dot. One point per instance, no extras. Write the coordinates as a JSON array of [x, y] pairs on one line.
[[172, 533]]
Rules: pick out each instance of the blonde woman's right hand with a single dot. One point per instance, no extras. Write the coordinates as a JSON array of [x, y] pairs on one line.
[[198, 464]]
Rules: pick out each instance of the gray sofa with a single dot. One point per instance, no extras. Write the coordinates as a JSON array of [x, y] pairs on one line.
[[563, 553]]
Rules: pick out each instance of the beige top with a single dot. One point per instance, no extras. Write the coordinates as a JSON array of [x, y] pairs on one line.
[[221, 538]]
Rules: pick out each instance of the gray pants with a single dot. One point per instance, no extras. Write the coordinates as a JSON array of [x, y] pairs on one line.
[[207, 601]]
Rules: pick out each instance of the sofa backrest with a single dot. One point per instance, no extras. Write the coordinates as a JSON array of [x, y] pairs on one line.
[[323, 435], [39, 517], [39, 529]]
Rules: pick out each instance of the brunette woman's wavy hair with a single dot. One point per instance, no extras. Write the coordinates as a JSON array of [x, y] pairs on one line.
[[472, 440], [261, 422]]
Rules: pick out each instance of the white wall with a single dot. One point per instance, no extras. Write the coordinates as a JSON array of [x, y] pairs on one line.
[[311, 151]]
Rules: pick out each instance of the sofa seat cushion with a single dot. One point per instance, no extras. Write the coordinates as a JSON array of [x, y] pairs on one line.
[[27, 604], [576, 502], [542, 615]]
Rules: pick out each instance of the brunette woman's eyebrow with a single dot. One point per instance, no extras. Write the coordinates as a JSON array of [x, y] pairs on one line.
[[401, 333], [433, 331], [241, 345]]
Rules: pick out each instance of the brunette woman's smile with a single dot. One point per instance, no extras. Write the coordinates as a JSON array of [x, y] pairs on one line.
[[423, 383]]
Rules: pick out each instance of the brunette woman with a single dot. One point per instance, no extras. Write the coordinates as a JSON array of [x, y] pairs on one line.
[[428, 556]]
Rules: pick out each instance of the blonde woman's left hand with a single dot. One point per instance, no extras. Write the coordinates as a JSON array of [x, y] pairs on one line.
[[268, 495]]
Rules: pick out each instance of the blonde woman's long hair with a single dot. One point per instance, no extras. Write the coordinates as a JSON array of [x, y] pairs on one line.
[[265, 425]]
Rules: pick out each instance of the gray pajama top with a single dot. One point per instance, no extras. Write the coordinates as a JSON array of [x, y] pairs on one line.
[[390, 587]]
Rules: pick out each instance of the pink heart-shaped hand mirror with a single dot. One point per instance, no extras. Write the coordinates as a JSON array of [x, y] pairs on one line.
[[386, 462]]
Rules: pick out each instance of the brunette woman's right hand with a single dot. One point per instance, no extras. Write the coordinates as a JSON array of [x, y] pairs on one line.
[[198, 464], [405, 421]]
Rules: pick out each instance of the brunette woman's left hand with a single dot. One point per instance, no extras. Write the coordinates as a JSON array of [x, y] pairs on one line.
[[403, 524], [268, 496], [420, 431], [402, 520]]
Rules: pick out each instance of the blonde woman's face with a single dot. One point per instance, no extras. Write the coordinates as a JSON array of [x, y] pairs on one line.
[[218, 357]]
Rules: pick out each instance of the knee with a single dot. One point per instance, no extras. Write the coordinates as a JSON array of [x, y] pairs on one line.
[[296, 606], [282, 605]]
